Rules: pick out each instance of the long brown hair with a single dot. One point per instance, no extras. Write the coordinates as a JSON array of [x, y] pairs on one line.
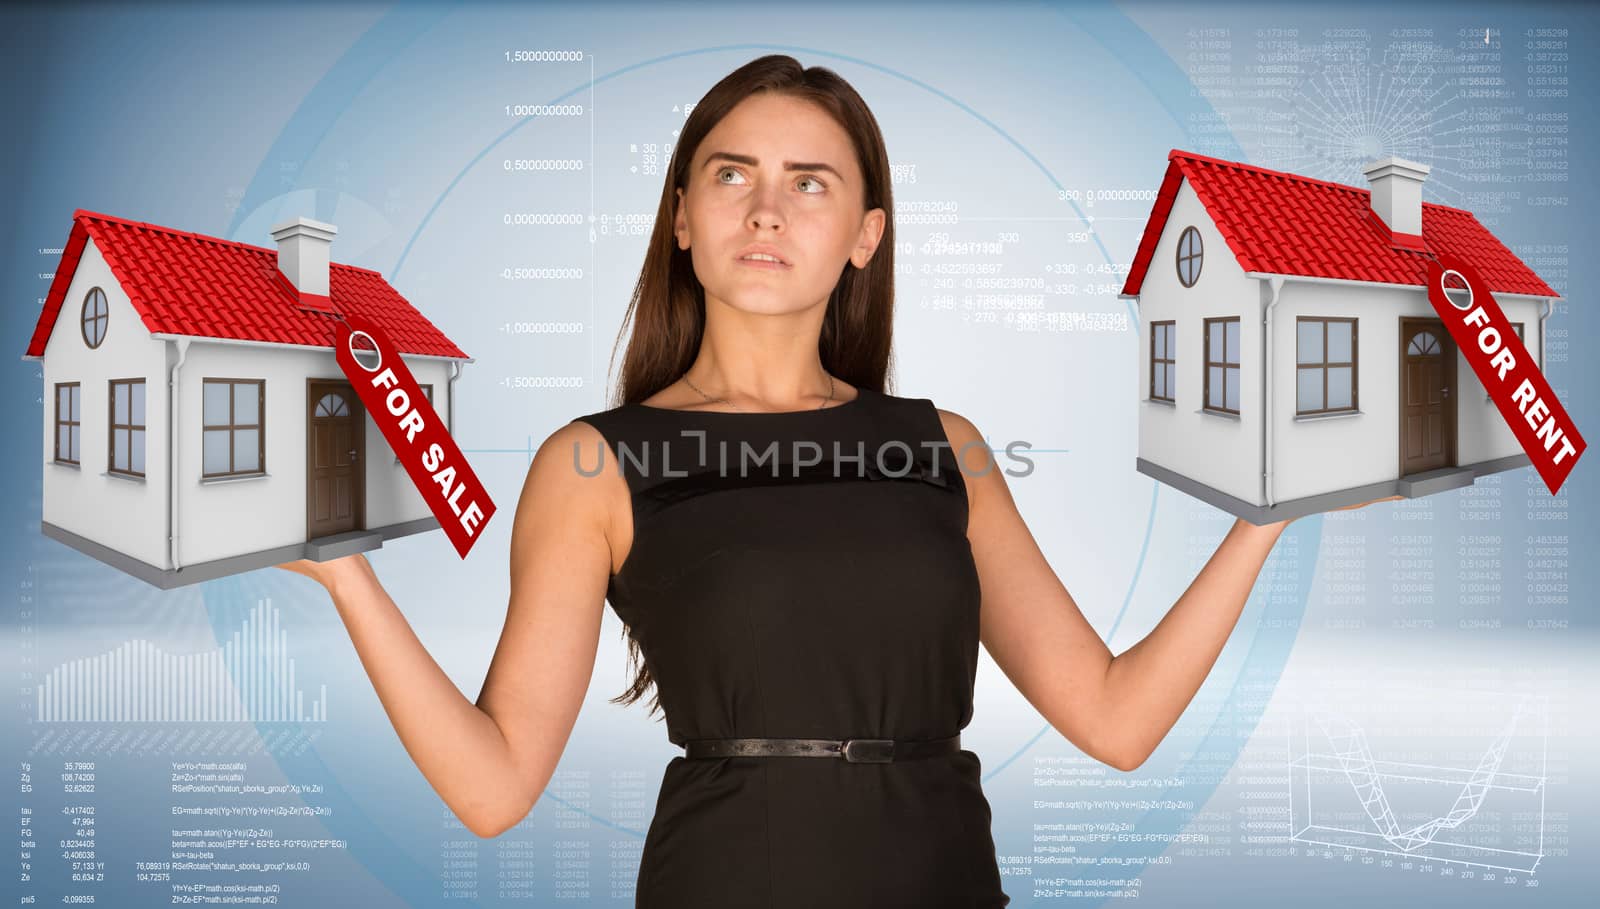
[[668, 308]]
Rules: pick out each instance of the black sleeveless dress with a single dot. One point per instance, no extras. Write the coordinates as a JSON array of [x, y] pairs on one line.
[[805, 574]]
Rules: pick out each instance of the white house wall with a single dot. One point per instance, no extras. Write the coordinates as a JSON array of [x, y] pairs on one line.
[[1328, 454], [1222, 452], [126, 514], [218, 519]]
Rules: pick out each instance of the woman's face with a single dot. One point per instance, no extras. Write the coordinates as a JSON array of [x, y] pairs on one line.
[[778, 173]]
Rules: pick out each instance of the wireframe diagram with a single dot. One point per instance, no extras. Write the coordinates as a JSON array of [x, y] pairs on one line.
[[1477, 798]]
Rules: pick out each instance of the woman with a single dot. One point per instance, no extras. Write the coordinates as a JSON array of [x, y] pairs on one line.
[[812, 632]]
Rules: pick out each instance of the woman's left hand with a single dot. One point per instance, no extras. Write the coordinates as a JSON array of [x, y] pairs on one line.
[[1365, 504], [1352, 507]]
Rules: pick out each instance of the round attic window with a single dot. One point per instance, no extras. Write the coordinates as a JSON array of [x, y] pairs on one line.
[[1189, 256], [95, 315]]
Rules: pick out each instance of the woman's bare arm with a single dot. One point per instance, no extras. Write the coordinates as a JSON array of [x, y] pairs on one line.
[[491, 760], [1115, 709], [1148, 685]]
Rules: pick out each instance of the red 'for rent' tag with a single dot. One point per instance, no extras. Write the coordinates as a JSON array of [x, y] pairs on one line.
[[391, 394], [1515, 383]]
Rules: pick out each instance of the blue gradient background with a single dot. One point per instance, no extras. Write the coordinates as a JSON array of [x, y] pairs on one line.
[[388, 121]]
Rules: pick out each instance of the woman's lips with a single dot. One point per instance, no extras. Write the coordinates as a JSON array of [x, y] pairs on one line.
[[763, 263]]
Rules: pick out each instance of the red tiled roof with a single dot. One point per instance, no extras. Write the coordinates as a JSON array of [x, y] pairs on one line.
[[190, 284], [1283, 223]]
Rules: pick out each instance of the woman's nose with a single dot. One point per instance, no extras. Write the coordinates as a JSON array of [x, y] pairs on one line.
[[766, 208]]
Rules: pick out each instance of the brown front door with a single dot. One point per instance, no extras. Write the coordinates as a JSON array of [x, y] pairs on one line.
[[1427, 405], [334, 470]]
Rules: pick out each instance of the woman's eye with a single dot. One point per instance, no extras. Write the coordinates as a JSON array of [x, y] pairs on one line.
[[820, 187]]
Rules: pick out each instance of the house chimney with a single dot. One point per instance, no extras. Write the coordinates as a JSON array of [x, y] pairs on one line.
[[303, 253], [1397, 193]]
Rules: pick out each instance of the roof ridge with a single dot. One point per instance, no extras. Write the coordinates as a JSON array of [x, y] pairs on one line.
[[1250, 206], [84, 213], [164, 271], [1290, 175], [160, 228], [1334, 184]]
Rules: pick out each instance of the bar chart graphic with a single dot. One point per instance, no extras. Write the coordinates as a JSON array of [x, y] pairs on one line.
[[250, 678]]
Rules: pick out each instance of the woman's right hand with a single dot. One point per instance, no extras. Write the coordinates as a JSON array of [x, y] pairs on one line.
[[490, 759], [332, 572]]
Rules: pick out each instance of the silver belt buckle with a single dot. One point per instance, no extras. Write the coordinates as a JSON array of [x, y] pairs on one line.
[[867, 751]]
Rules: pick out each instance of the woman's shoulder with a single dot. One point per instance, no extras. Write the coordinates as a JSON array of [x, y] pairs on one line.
[[609, 422], [954, 422], [966, 441], [570, 473]]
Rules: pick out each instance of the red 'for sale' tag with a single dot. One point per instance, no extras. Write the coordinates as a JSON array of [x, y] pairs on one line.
[[1485, 337], [408, 421]]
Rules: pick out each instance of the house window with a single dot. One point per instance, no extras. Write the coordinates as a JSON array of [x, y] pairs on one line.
[[1326, 361], [67, 422], [127, 427], [95, 315], [1222, 364], [331, 405], [1424, 344], [1518, 326], [1162, 354], [427, 389], [235, 437], [1189, 256]]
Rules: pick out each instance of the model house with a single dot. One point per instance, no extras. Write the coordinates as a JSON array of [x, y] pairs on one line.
[[196, 423], [1290, 361]]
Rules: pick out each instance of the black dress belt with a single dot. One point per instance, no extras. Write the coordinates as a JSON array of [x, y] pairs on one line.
[[871, 751]]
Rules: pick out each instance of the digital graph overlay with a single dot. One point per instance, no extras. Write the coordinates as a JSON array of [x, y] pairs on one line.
[[250, 678], [1349, 789]]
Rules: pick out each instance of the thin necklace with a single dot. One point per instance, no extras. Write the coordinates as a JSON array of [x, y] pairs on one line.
[[741, 409]]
